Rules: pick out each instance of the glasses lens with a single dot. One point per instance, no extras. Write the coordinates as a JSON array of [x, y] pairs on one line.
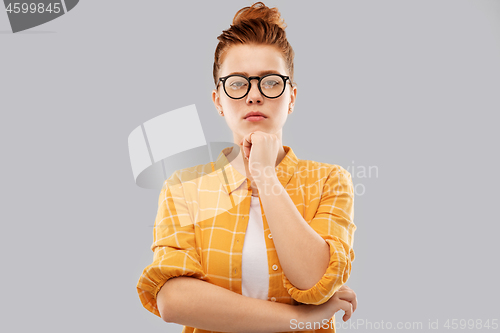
[[236, 86], [272, 85]]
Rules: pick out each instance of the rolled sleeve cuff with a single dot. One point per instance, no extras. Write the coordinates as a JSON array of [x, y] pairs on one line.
[[337, 273], [155, 275]]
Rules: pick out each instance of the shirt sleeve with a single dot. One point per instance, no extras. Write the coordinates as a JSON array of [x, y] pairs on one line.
[[174, 245], [333, 221]]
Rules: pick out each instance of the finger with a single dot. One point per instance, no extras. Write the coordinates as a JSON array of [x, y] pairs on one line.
[[243, 144], [247, 144], [247, 151], [347, 307], [348, 295], [340, 293], [345, 294], [354, 304]]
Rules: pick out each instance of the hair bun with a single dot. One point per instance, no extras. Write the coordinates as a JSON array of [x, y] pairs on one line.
[[259, 11]]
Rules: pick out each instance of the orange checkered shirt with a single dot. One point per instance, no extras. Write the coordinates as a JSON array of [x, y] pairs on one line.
[[203, 214]]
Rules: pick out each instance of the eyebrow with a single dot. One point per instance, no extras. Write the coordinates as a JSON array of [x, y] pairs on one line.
[[259, 74]]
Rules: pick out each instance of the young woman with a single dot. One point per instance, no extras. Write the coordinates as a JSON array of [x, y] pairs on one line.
[[260, 240]]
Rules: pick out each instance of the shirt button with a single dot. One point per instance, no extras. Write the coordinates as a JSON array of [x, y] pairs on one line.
[[235, 271], [270, 236], [275, 267], [273, 299]]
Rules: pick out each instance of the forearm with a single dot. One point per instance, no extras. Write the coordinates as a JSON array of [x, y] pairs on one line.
[[196, 303], [303, 254]]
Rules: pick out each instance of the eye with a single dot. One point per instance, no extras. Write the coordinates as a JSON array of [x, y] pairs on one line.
[[270, 83], [238, 84]]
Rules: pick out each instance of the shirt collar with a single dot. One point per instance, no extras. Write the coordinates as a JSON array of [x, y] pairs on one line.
[[231, 179]]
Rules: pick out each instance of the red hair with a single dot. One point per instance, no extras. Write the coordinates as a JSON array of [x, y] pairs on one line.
[[257, 24]]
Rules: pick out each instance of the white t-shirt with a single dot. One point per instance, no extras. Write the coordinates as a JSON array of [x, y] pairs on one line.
[[254, 266]]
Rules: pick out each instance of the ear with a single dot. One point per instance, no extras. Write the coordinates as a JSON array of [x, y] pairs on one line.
[[293, 95], [216, 100]]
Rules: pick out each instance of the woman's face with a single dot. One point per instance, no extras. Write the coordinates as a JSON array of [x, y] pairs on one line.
[[253, 60]]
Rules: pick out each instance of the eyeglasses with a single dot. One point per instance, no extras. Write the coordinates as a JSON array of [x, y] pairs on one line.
[[237, 86]]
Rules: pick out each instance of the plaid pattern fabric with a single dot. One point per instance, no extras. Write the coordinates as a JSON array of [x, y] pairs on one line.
[[203, 215]]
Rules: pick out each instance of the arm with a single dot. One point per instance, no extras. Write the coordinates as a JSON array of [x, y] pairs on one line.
[[302, 253], [196, 303], [301, 246], [174, 245]]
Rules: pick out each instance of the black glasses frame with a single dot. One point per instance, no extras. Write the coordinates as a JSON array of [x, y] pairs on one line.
[[249, 79]]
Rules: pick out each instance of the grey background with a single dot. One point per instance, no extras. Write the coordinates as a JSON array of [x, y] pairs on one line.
[[410, 87]]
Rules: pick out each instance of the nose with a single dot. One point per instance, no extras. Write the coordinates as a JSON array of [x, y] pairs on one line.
[[254, 94]]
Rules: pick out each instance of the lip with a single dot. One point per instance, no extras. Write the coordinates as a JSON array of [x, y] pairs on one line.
[[254, 113], [255, 118]]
